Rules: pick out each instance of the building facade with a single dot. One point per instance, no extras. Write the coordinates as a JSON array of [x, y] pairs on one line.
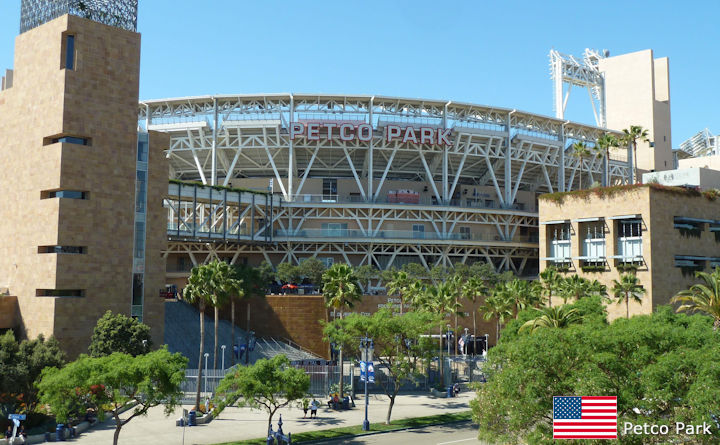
[[378, 180], [662, 234], [83, 221]]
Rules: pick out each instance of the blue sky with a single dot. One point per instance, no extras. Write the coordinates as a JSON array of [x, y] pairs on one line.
[[493, 53]]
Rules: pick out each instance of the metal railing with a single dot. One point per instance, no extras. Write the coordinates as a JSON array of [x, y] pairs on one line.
[[468, 202], [396, 234]]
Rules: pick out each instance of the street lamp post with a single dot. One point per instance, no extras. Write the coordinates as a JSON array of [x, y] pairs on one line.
[[487, 345], [366, 350], [465, 342], [206, 372], [223, 357]]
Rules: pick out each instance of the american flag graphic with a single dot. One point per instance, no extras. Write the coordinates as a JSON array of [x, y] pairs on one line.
[[584, 417]]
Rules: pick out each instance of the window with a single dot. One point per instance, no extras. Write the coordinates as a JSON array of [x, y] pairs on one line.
[[139, 239], [559, 235], [418, 231], [140, 192], [629, 240], [69, 52], [593, 242], [69, 140], [68, 194], [63, 249], [142, 151], [335, 229], [464, 232], [59, 293], [489, 203], [137, 295], [329, 190], [327, 262]]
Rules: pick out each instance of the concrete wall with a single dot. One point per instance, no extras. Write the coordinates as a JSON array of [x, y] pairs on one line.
[[710, 162], [637, 92]]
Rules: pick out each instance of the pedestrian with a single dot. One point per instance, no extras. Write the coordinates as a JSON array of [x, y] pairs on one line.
[[8, 432], [313, 408], [305, 406]]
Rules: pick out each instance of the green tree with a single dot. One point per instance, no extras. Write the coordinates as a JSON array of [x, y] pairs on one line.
[[365, 274], [399, 345], [118, 333], [574, 287], [415, 271], [341, 290], [630, 137], [552, 317], [198, 291], [288, 273], [312, 269], [497, 306], [551, 281], [474, 289], [662, 368], [222, 286], [602, 148], [704, 298], [398, 285], [267, 384], [266, 274], [581, 151], [628, 288], [439, 299], [522, 293], [113, 381], [21, 363]]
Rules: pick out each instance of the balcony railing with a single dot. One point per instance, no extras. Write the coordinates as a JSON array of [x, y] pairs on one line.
[[594, 249], [353, 234], [476, 203]]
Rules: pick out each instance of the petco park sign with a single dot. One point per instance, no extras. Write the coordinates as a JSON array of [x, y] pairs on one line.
[[315, 131]]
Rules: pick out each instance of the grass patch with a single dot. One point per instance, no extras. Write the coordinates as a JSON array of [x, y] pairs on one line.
[[349, 431]]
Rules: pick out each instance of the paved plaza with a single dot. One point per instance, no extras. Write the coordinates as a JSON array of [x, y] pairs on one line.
[[243, 423]]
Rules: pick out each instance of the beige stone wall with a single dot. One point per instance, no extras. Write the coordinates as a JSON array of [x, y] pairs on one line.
[[711, 162], [661, 241], [97, 100]]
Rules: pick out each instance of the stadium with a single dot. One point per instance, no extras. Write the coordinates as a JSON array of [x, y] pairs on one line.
[[373, 180]]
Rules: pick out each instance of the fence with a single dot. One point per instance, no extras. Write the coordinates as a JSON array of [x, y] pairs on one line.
[[210, 380]]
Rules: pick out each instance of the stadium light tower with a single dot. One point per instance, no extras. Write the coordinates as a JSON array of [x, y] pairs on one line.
[[585, 73]]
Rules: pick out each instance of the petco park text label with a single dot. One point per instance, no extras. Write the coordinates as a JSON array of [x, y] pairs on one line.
[[314, 131]]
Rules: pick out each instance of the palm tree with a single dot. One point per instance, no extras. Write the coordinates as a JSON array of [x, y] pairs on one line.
[[602, 148], [473, 289], [628, 288], [439, 299], [595, 287], [222, 284], [702, 297], [550, 280], [553, 317], [581, 151], [521, 293], [631, 137], [340, 290], [236, 289], [498, 306], [399, 286], [198, 291], [574, 287]]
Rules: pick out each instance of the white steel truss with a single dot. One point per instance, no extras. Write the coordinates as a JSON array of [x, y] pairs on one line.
[[568, 70], [219, 139]]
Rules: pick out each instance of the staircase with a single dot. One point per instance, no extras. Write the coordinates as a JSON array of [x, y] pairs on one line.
[[182, 334]]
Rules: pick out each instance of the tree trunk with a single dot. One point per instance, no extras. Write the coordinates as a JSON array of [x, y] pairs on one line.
[[441, 365], [402, 300], [272, 413], [635, 166], [716, 325], [455, 343], [118, 426], [340, 362], [497, 334], [390, 407], [200, 356], [232, 329], [627, 307], [474, 333], [215, 351]]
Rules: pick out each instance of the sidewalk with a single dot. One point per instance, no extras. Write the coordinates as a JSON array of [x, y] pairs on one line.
[[243, 423]]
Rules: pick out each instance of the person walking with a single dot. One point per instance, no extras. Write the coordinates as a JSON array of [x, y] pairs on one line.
[[313, 409]]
